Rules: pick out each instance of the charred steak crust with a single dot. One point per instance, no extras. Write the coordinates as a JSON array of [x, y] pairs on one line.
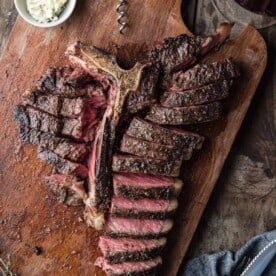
[[61, 146], [146, 95], [67, 82], [152, 132], [185, 115], [130, 250], [175, 52], [144, 148], [36, 119], [137, 187], [134, 164], [48, 103], [205, 94], [203, 74], [141, 214], [102, 184], [142, 268], [62, 165], [63, 193], [138, 192], [134, 256]]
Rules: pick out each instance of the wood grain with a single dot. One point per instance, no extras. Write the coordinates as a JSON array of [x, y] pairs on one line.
[[29, 215], [243, 203]]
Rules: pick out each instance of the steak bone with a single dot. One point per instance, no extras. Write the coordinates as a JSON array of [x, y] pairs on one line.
[[100, 161]]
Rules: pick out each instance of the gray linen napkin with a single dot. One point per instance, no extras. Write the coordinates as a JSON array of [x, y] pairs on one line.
[[231, 263]]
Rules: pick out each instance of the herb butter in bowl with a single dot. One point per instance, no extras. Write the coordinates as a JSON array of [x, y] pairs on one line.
[[45, 13]]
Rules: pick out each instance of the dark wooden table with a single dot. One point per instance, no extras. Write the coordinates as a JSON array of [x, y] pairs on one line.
[[244, 200]]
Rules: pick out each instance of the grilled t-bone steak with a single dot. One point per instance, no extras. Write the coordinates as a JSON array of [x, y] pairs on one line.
[[99, 125], [96, 61]]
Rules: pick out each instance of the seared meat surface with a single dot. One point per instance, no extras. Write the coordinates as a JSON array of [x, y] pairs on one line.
[[185, 115], [127, 249], [116, 141], [203, 74], [205, 94]]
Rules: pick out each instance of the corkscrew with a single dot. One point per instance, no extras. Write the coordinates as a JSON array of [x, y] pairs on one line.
[[122, 14]]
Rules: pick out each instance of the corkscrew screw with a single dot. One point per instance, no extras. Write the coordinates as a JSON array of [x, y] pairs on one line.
[[122, 14]]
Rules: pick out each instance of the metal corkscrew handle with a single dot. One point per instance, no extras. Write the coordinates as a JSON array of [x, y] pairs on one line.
[[122, 14]]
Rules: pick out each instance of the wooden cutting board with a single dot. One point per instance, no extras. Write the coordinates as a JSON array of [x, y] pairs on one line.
[[29, 216]]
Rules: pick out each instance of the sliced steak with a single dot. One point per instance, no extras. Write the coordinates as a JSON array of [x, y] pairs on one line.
[[126, 249], [205, 94], [143, 208], [134, 164], [152, 132], [62, 165], [47, 103], [72, 107], [144, 148], [28, 116], [144, 268], [61, 146], [138, 228], [185, 115], [68, 82], [137, 186], [73, 127], [203, 74], [146, 95], [176, 53], [68, 189]]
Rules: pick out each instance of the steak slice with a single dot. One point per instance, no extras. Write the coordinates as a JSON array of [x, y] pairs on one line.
[[176, 53], [146, 95], [48, 103], [143, 208], [138, 228], [144, 148], [68, 82], [134, 164], [32, 118], [63, 147], [152, 132], [68, 189], [126, 249], [62, 165], [205, 94], [203, 74], [72, 107], [185, 115], [143, 268], [73, 127], [137, 186]]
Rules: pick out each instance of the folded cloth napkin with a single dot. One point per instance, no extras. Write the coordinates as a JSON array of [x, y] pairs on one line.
[[261, 247]]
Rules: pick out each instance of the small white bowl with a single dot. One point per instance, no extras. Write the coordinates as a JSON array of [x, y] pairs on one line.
[[21, 7]]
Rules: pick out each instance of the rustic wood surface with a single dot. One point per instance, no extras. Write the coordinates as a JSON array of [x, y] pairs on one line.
[[65, 257], [243, 202]]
